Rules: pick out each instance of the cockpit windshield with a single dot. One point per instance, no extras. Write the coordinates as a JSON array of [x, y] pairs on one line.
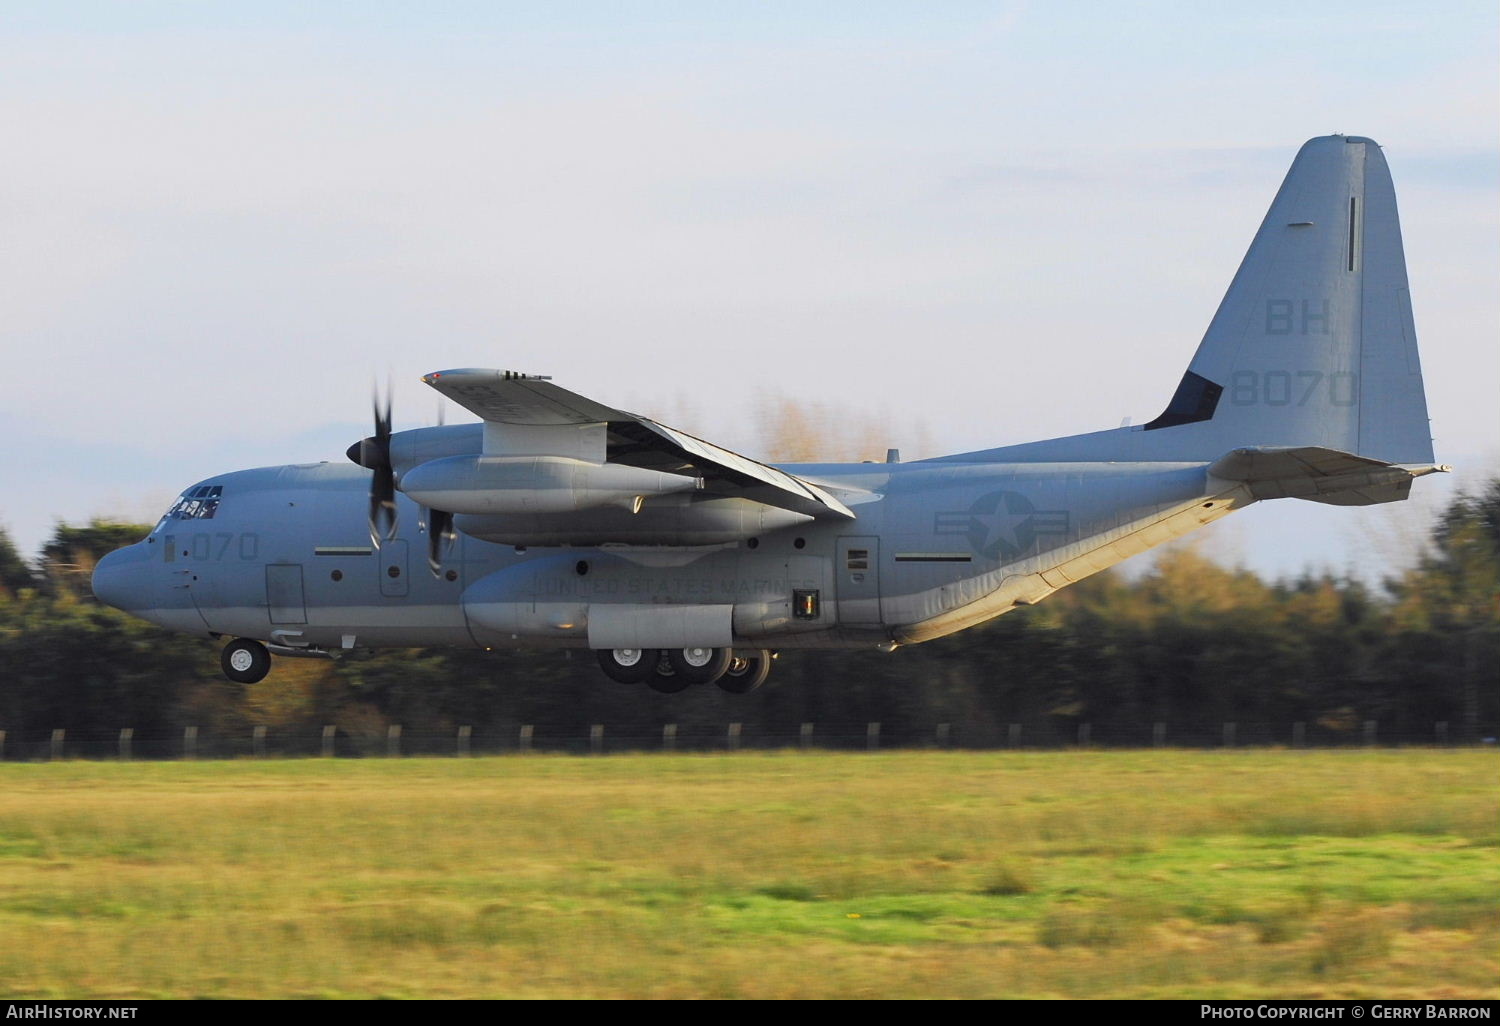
[[200, 503]]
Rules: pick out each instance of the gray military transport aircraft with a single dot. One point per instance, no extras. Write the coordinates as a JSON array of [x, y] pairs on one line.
[[561, 522]]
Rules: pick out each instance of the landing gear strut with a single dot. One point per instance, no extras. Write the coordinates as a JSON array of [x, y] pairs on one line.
[[245, 661]]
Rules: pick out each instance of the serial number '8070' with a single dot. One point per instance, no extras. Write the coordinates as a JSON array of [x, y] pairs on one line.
[[1293, 388]]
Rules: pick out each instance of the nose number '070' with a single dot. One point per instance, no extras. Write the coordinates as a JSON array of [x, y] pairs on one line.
[[215, 547], [1293, 388]]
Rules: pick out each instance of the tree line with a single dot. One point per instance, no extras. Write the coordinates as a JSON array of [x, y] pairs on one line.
[[1191, 644]]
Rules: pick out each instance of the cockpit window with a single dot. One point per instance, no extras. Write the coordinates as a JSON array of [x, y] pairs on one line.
[[199, 503]]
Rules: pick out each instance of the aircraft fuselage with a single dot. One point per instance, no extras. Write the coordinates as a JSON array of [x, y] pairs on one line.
[[287, 557]]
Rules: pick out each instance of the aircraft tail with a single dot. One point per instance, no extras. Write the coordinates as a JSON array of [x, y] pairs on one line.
[[1313, 345]]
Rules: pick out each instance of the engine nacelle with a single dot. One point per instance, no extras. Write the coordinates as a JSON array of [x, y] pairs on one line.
[[535, 484], [683, 519]]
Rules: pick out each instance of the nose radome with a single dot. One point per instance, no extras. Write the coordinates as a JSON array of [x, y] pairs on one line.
[[119, 580]]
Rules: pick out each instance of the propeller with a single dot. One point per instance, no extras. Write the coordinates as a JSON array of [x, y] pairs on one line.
[[440, 535], [374, 453]]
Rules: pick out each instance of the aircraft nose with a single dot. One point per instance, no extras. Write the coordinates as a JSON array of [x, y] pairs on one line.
[[120, 580]]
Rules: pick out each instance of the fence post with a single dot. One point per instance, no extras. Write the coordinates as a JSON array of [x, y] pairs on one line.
[[464, 733], [733, 740], [258, 740], [1229, 735], [526, 732], [393, 741], [1013, 735], [872, 736], [1370, 726], [126, 735], [596, 738], [669, 737], [330, 730], [1158, 735], [1299, 734], [806, 736], [1440, 729], [190, 742], [2, 744], [942, 734], [1084, 731], [57, 743]]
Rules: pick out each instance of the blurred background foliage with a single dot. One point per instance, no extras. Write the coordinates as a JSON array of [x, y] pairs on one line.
[[1191, 643]]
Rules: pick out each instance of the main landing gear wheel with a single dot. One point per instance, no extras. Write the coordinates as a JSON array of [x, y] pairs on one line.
[[748, 670], [628, 665], [245, 661], [699, 665], [666, 679]]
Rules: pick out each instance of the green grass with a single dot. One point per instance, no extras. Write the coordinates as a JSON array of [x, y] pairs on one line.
[[1084, 874]]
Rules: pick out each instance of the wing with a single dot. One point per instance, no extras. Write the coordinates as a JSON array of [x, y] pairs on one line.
[[524, 413]]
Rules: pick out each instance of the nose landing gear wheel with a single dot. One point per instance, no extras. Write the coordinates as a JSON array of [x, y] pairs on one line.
[[699, 665], [748, 670], [628, 665], [245, 661]]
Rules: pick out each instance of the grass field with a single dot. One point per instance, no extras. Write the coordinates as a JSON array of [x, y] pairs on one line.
[[964, 875]]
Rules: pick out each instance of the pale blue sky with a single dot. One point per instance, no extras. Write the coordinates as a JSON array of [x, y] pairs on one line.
[[994, 222]]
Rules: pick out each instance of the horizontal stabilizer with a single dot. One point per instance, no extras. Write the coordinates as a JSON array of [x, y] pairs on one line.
[[1319, 475]]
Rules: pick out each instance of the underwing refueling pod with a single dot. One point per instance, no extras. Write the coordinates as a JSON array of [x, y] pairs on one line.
[[559, 521]]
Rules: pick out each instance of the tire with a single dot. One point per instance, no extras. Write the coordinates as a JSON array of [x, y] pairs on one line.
[[245, 661], [699, 665], [666, 679], [747, 671], [628, 665]]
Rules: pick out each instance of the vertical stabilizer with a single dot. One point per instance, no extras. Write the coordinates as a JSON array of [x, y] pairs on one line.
[[1313, 344]]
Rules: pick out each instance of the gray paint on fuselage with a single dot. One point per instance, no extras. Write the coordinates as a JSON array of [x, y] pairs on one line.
[[1011, 520]]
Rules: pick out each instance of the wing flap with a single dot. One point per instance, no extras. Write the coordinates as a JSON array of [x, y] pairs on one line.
[[746, 477]]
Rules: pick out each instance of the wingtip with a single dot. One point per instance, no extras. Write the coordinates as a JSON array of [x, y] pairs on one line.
[[483, 372]]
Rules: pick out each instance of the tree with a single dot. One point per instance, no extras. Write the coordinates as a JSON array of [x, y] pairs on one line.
[[1448, 609], [69, 558], [15, 574]]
